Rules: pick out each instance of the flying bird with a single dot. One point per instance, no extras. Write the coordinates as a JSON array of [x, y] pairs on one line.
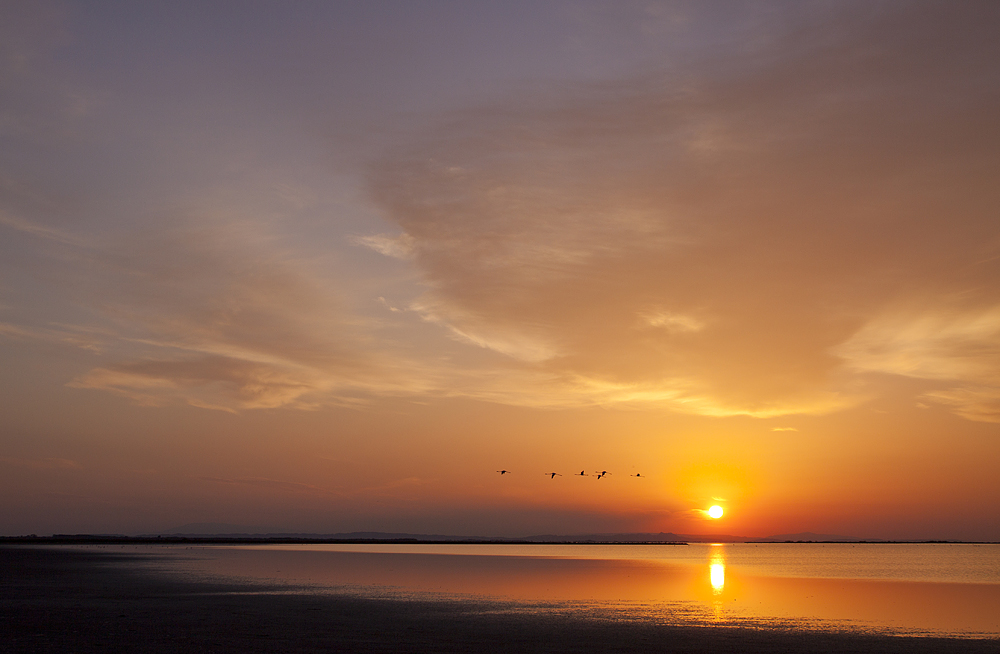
[[636, 475], [583, 473], [503, 472], [553, 475], [602, 473]]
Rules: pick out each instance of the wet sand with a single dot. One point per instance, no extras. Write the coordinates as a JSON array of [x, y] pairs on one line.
[[62, 600]]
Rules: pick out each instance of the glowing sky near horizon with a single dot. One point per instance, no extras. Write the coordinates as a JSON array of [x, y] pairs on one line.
[[326, 267]]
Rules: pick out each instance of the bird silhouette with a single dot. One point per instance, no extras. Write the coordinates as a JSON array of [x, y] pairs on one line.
[[583, 473], [553, 475], [503, 472], [602, 473], [636, 475]]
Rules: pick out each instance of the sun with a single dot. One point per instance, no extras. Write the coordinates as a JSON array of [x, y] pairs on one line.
[[715, 512]]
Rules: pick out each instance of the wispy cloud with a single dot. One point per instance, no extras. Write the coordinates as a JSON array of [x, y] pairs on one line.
[[273, 484], [980, 403], [713, 243], [40, 231], [671, 321], [218, 383], [41, 464], [68, 335], [726, 239], [398, 247], [939, 341], [216, 317]]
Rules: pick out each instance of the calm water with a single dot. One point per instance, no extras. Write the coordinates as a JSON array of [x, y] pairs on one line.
[[913, 589]]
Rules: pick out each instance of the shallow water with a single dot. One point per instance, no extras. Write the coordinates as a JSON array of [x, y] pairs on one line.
[[939, 589]]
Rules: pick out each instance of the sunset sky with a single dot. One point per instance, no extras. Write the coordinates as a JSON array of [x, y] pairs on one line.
[[328, 266]]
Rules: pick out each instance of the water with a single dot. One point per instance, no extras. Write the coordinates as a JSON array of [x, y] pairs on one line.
[[929, 589]]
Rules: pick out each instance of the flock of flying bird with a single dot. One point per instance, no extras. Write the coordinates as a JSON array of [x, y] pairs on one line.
[[582, 473]]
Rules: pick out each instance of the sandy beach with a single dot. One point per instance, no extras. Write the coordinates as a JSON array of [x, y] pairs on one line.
[[82, 601]]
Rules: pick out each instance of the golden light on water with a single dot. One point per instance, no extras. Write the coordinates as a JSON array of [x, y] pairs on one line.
[[717, 574], [655, 314], [717, 569]]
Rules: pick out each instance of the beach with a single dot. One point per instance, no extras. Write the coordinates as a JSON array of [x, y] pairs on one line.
[[61, 600]]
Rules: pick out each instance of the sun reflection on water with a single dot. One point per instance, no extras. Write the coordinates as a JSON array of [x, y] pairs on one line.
[[717, 569], [760, 586], [718, 576]]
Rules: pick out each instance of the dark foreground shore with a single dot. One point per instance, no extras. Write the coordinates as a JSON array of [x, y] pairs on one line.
[[83, 601]]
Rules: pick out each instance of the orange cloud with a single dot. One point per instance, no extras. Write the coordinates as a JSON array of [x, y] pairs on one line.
[[718, 244]]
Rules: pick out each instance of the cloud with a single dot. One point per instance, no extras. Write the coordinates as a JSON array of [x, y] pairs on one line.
[[711, 240], [40, 231], [981, 404], [731, 235], [672, 321], [783, 429], [221, 383], [470, 329], [405, 486], [385, 303], [218, 316], [397, 247], [390, 488], [41, 464], [937, 341], [276, 484], [63, 335]]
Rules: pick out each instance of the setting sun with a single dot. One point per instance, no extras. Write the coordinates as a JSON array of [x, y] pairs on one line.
[[715, 512]]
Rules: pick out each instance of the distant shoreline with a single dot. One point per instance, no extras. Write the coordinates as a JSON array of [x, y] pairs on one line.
[[88, 539]]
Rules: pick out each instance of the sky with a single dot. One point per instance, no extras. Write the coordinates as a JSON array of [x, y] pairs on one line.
[[328, 266]]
